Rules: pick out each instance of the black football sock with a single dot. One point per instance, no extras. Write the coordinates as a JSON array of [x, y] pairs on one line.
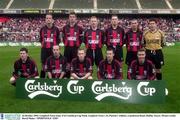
[[159, 76], [43, 74]]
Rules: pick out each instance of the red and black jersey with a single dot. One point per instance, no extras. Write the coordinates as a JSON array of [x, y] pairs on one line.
[[26, 69], [145, 71], [115, 37], [56, 66], [111, 70], [81, 68], [72, 36], [93, 38], [133, 40], [49, 36]]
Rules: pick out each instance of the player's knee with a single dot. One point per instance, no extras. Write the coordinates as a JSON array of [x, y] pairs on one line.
[[71, 77], [158, 70], [12, 80], [36, 77], [90, 78]]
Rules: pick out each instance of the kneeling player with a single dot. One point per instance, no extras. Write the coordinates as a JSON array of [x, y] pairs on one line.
[[110, 68], [56, 64], [141, 69], [24, 67], [81, 67]]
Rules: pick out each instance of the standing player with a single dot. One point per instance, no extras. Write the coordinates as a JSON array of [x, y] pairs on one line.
[[24, 67], [72, 39], [49, 36], [115, 38], [110, 68], [56, 64], [153, 42], [81, 67], [94, 39], [141, 68], [133, 40]]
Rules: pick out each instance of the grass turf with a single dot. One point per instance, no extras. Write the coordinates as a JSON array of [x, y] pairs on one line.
[[9, 102]]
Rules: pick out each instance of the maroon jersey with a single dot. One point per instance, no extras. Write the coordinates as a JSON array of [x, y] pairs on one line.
[[93, 38], [141, 72], [72, 36], [133, 40], [56, 66], [81, 68], [110, 71], [49, 36], [26, 69], [115, 37]]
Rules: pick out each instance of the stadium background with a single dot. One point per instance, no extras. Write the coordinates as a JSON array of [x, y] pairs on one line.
[[20, 21]]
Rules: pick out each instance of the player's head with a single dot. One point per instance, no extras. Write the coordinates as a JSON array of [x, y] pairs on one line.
[[56, 51], [94, 22], [49, 19], [152, 24], [114, 20], [110, 54], [72, 17], [23, 54], [134, 24], [81, 53], [141, 55]]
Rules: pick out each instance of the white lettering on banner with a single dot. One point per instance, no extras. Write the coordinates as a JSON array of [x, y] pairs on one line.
[[134, 43], [110, 90], [93, 41], [38, 89], [143, 90], [73, 88], [71, 38]]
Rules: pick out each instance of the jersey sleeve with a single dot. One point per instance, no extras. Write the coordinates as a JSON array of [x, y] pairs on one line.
[[100, 73]]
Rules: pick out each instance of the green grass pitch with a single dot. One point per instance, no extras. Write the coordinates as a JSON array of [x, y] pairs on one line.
[[9, 102]]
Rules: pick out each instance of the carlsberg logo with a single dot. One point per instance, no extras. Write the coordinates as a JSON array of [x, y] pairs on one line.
[[36, 89], [113, 90]]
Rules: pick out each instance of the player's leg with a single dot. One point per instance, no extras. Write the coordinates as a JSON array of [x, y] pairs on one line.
[[13, 81], [98, 56], [43, 61], [90, 78], [119, 54], [89, 54], [159, 61]]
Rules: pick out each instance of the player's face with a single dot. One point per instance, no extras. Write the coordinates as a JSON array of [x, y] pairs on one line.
[[134, 24], [49, 19], [94, 22], [72, 18], [114, 20], [23, 55], [81, 55], [141, 56], [152, 25], [56, 51], [109, 55]]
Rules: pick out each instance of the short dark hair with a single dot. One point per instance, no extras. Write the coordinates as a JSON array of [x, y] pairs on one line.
[[110, 49], [81, 48], [24, 49], [49, 14], [72, 13], [114, 15], [152, 20], [142, 50]]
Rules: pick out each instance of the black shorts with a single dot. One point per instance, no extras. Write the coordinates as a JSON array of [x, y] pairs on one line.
[[119, 54], [130, 56], [45, 53], [95, 55], [156, 57], [70, 53]]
